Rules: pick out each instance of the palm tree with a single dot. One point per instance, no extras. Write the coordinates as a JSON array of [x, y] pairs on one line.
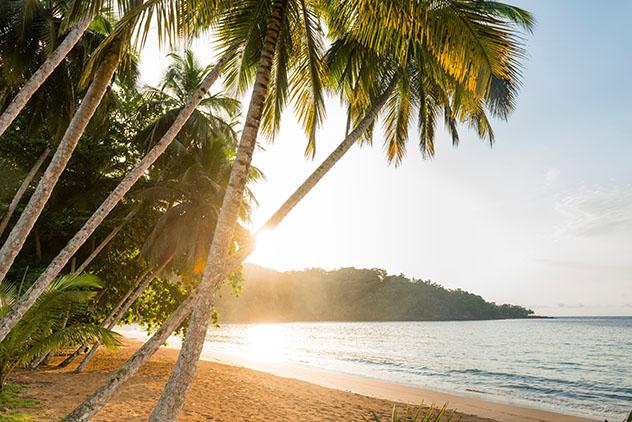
[[171, 18], [22, 189], [51, 108], [124, 303], [202, 153], [286, 19], [25, 302], [107, 56], [51, 324], [93, 403], [214, 127], [212, 117], [116, 315], [79, 122], [109, 59], [178, 243], [15, 17], [173, 395]]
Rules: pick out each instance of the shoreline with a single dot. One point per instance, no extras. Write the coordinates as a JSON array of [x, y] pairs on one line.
[[380, 389]]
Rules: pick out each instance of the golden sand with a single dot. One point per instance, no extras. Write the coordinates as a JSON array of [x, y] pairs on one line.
[[223, 392]]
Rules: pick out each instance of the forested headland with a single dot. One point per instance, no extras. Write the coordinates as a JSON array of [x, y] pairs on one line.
[[351, 294]]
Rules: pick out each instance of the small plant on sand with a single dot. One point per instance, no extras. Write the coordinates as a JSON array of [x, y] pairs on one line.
[[421, 414], [52, 324], [13, 407]]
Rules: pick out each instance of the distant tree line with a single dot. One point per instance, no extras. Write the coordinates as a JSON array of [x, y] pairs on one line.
[[351, 294]]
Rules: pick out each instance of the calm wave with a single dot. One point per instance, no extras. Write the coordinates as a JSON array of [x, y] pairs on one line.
[[580, 366]]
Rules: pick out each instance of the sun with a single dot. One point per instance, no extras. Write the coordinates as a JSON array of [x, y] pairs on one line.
[[269, 248]]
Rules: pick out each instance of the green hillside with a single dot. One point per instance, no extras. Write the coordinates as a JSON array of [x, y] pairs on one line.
[[351, 294]]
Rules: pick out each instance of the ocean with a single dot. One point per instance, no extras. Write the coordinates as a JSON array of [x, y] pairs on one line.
[[577, 366]]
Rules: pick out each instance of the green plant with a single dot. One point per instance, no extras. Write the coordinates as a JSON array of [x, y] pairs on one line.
[[12, 406], [52, 324], [629, 418], [421, 414]]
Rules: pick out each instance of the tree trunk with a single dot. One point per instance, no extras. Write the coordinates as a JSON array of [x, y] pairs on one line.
[[23, 187], [100, 397], [44, 71], [75, 129], [25, 302], [96, 251], [331, 159], [172, 399], [146, 279], [38, 361], [105, 322]]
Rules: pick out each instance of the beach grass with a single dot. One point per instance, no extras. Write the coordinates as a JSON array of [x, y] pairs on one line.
[[420, 414], [13, 406]]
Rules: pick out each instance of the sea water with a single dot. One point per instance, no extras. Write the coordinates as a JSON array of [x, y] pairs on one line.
[[580, 366]]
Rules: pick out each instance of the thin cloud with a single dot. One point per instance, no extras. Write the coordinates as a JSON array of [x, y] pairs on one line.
[[596, 212]]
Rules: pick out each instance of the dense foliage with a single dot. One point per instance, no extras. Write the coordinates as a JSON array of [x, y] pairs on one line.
[[182, 191], [351, 294]]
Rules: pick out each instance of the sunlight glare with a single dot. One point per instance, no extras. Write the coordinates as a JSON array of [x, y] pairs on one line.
[[265, 342], [268, 248]]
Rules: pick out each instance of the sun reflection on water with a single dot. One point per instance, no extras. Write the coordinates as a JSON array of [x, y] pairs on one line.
[[265, 342]]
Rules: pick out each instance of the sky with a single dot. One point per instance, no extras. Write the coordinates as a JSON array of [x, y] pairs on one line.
[[541, 219]]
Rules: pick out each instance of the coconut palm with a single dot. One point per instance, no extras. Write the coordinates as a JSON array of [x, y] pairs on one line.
[[173, 19], [405, 44], [52, 324], [192, 201], [111, 201], [202, 154], [50, 108], [178, 243], [212, 117], [93, 403], [21, 50], [107, 57], [16, 17], [291, 43], [109, 60]]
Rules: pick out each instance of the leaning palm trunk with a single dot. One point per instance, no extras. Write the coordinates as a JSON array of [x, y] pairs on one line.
[[99, 398], [331, 159], [145, 281], [23, 187], [121, 311], [105, 323], [172, 399], [89, 104], [106, 240], [55, 267], [44, 71]]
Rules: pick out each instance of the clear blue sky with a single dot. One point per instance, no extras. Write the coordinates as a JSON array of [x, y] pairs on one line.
[[544, 218]]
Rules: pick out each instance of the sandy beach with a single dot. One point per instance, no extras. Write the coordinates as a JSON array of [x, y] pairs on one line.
[[224, 392]]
